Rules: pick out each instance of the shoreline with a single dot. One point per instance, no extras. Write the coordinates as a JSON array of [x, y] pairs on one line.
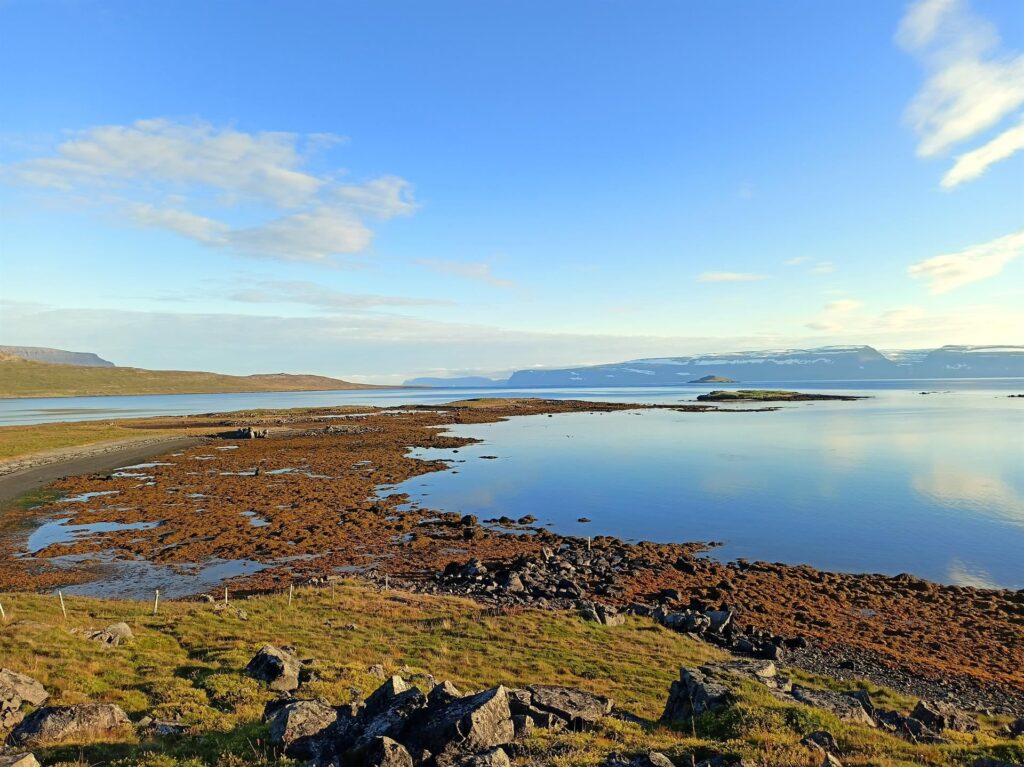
[[914, 628]]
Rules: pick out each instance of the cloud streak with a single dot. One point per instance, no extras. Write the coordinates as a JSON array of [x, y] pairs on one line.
[[211, 172], [311, 294], [978, 262], [730, 277], [972, 85], [467, 270]]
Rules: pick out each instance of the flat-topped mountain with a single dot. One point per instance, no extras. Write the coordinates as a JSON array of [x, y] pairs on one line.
[[827, 363], [54, 356]]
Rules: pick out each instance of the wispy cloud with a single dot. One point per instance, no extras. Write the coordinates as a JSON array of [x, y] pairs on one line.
[[478, 271], [978, 262], [187, 177], [972, 85], [730, 277], [822, 267], [796, 261], [834, 314], [311, 294]]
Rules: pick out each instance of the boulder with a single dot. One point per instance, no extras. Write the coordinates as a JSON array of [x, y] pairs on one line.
[[113, 635], [18, 760], [650, 759], [16, 689], [390, 721], [442, 694], [494, 758], [279, 669], [381, 698], [468, 725], [59, 724], [938, 716], [1015, 728], [579, 708], [697, 692], [844, 707], [298, 726], [821, 739], [385, 752], [830, 761]]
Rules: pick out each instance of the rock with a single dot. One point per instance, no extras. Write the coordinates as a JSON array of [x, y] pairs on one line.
[[845, 707], [989, 762], [820, 739], [381, 698], [650, 759], [112, 635], [939, 716], [912, 729], [16, 689], [722, 760], [385, 752], [442, 694], [696, 693], [1015, 728], [297, 726], [392, 720], [830, 761], [279, 669], [469, 725], [493, 758], [579, 708], [59, 724], [377, 670], [163, 728], [18, 760]]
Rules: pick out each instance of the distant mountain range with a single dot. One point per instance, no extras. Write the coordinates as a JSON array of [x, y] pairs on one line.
[[827, 363]]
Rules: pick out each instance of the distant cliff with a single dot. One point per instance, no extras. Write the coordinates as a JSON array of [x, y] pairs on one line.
[[56, 356], [828, 363]]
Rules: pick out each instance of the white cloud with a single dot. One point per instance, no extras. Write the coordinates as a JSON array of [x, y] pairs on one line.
[[796, 261], [822, 267], [972, 164], [312, 294], [730, 277], [833, 317], [972, 85], [145, 166], [978, 262], [477, 271]]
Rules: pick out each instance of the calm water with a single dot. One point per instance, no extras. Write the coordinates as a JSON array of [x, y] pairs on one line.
[[932, 485]]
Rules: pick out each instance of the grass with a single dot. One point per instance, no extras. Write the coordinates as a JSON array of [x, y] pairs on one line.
[[185, 664], [23, 378], [20, 441]]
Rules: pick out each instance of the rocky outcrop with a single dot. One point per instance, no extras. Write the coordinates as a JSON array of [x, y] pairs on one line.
[[278, 668], [398, 724], [698, 691], [845, 707], [15, 690], [63, 724]]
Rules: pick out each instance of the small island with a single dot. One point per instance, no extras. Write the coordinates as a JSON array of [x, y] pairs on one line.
[[714, 379], [770, 395]]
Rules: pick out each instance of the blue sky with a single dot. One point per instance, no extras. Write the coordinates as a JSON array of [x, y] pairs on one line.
[[383, 189]]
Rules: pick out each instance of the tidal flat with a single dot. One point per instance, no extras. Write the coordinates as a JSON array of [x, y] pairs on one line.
[[315, 487]]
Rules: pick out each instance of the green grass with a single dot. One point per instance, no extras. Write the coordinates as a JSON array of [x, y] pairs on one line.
[[20, 441], [23, 378], [186, 663]]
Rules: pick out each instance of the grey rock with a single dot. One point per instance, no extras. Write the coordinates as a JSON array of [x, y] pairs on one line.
[[18, 760], [16, 689], [579, 708], [820, 739], [697, 692], [443, 694], [381, 698], [844, 707], [113, 635], [391, 721], [59, 724], [831, 761], [494, 758], [938, 716], [469, 725], [1015, 728], [299, 724], [278, 668], [385, 752], [989, 762]]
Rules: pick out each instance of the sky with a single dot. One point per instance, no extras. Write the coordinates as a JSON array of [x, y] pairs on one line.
[[378, 189]]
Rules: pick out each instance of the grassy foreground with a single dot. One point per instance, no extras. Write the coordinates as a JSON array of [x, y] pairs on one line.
[[185, 663], [21, 441], [22, 378]]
